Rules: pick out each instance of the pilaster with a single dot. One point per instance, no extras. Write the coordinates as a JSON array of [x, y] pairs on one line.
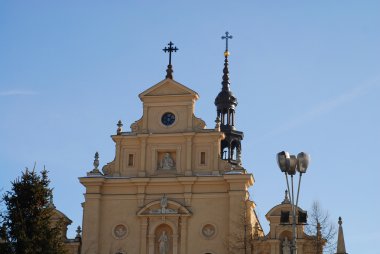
[[183, 237], [91, 224], [189, 156], [143, 234], [142, 169]]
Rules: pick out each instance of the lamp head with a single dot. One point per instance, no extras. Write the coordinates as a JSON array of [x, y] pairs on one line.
[[282, 158], [292, 165], [303, 160]]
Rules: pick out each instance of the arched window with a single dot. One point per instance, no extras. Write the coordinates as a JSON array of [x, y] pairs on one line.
[[225, 153]]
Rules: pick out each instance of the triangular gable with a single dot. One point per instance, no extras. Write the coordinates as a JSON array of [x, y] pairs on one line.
[[57, 214], [168, 87]]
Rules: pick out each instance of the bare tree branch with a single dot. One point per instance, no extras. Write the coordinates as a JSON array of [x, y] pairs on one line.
[[328, 229]]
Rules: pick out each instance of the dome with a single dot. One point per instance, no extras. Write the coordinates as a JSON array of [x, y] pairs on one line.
[[225, 100]]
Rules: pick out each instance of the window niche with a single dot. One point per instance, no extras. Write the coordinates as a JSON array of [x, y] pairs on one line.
[[203, 159], [131, 160]]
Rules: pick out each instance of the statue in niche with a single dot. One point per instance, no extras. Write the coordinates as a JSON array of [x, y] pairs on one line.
[[163, 243], [167, 162], [286, 246]]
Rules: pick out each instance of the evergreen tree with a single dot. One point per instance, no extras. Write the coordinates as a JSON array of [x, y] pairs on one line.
[[27, 217]]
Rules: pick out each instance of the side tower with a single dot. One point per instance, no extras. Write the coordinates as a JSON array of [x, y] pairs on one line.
[[278, 239], [167, 191], [225, 104]]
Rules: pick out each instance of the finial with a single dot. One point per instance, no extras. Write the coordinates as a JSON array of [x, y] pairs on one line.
[[228, 36], [170, 49], [217, 123], [286, 199], [119, 127], [79, 231], [95, 171], [78, 237], [340, 221]]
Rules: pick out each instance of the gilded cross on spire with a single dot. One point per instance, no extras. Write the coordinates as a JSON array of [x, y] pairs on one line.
[[170, 49], [228, 36]]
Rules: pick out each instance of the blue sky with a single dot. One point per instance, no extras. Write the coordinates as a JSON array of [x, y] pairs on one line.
[[306, 75]]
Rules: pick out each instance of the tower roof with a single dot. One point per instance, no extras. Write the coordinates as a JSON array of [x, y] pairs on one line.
[[225, 99]]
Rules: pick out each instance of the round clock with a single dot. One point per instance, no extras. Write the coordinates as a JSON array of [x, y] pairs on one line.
[[168, 119]]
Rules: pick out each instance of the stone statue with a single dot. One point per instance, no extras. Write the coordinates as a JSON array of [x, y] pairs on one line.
[[167, 162], [163, 243], [164, 204], [286, 246]]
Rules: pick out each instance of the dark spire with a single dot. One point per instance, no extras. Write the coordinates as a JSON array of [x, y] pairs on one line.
[[170, 49], [225, 104], [226, 73]]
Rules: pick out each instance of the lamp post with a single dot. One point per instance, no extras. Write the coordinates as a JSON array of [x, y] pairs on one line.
[[289, 165]]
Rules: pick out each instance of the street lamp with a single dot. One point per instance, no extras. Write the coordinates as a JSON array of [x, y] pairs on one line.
[[289, 165]]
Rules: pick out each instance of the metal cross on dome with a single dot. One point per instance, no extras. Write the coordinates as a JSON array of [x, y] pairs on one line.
[[228, 36], [170, 49]]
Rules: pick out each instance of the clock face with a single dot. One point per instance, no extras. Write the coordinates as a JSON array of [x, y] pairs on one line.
[[168, 118]]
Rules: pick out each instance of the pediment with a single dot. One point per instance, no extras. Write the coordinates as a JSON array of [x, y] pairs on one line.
[[171, 208], [168, 87], [58, 215]]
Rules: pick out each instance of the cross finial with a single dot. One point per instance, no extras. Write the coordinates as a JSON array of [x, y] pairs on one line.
[[228, 36], [119, 127], [79, 230], [170, 49]]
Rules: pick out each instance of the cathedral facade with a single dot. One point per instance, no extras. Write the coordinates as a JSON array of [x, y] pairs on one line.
[[168, 189], [177, 187]]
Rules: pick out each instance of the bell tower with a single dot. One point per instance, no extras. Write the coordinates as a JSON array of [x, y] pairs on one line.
[[225, 104]]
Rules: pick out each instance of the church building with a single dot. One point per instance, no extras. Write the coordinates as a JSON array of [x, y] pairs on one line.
[[177, 187]]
